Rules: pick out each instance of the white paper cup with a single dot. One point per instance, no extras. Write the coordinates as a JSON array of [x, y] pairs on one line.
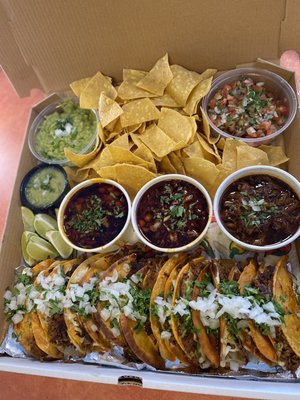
[[125, 235], [274, 172], [153, 182]]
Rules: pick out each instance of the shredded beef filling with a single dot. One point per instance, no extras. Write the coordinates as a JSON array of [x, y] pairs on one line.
[[260, 210]]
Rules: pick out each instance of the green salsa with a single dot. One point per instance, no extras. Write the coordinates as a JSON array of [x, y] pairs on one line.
[[69, 127], [45, 186]]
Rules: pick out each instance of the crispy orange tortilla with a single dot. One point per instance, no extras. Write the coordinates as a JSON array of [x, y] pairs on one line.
[[79, 330], [291, 331], [189, 345], [283, 290], [223, 270], [42, 340], [207, 342], [24, 329], [139, 338], [122, 267], [171, 344], [158, 289], [261, 345], [26, 338], [284, 294], [141, 344], [42, 327]]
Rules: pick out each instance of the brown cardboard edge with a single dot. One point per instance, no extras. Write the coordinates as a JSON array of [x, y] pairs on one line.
[[13, 63], [10, 246]]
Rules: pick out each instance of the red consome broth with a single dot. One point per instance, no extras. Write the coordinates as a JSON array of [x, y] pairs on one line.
[[172, 213], [95, 215]]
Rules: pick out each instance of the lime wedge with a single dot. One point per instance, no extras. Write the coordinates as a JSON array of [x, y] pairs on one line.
[[28, 219], [24, 241], [44, 223], [40, 249], [60, 245]]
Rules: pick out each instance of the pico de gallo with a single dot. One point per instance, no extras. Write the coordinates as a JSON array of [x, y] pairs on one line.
[[247, 109]]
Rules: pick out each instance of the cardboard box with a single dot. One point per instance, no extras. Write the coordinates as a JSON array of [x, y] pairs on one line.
[[48, 44]]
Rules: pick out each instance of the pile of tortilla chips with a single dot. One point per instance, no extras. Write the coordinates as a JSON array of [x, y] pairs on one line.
[[150, 124]]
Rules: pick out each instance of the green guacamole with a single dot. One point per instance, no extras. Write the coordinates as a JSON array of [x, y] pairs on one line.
[[70, 126], [44, 187]]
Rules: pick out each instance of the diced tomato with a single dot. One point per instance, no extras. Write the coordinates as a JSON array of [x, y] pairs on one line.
[[223, 103], [257, 88], [265, 125], [282, 109], [212, 103], [226, 90]]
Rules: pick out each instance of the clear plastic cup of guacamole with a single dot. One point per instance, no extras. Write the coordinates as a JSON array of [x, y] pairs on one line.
[[61, 125]]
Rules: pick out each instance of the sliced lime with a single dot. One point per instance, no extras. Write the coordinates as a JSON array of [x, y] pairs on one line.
[[28, 219], [60, 245], [40, 249], [24, 241], [44, 223]]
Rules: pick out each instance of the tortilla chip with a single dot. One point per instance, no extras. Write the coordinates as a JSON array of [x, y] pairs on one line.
[[221, 144], [157, 141], [210, 152], [165, 101], [211, 137], [132, 128], [120, 155], [158, 78], [229, 158], [222, 174], [102, 133], [182, 84], [75, 175], [112, 136], [178, 127], [275, 154], [122, 141], [143, 152], [138, 111], [111, 126], [165, 166], [109, 110], [248, 156], [132, 177], [81, 159], [108, 172], [133, 74], [177, 162], [128, 89], [102, 159], [197, 94], [136, 139], [202, 170], [194, 150], [79, 86], [89, 97]]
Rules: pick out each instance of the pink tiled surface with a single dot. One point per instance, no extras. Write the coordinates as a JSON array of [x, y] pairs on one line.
[[14, 113], [13, 118]]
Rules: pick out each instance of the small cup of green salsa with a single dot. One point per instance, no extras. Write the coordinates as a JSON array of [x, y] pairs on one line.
[[61, 125], [94, 215], [44, 187]]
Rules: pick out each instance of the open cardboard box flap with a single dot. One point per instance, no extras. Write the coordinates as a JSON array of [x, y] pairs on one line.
[[48, 44]]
